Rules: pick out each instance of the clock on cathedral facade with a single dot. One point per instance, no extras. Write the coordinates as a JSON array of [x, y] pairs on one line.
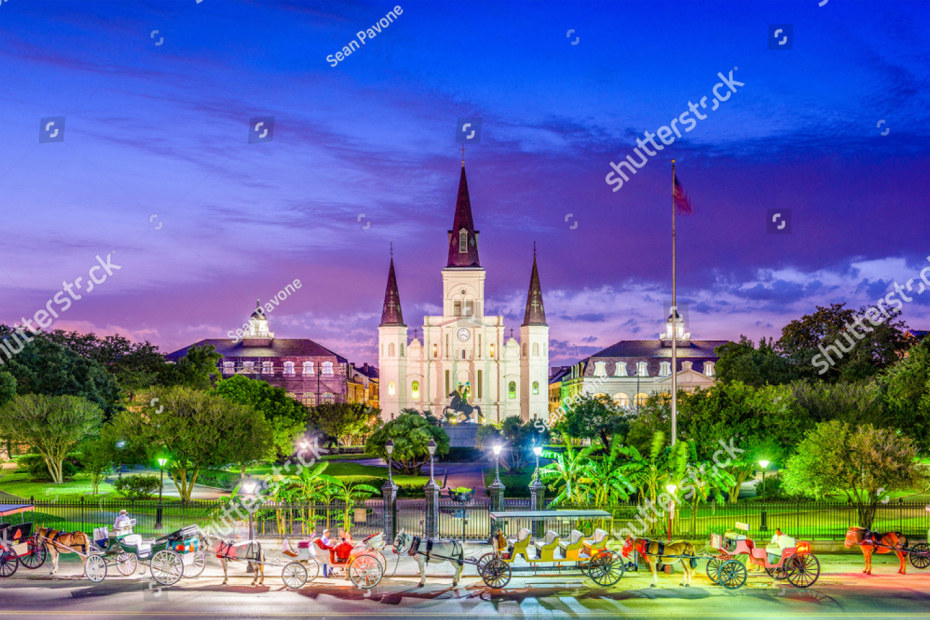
[[464, 353]]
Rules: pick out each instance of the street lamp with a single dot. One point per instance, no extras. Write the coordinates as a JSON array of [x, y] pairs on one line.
[[497, 462], [431, 446], [537, 450], [764, 465], [161, 483], [248, 491], [389, 448], [671, 487]]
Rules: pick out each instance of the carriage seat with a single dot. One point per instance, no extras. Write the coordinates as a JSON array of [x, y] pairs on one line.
[[16, 534], [572, 550], [734, 536], [599, 541], [143, 547], [546, 550], [783, 542], [519, 545]]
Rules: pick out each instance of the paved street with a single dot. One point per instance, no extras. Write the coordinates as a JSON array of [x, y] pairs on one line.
[[841, 592]]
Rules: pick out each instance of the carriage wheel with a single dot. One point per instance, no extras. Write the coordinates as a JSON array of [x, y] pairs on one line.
[[313, 568], [127, 563], [198, 562], [713, 569], [606, 568], [95, 567], [294, 575], [8, 562], [803, 571], [36, 556], [167, 567], [381, 559], [919, 555], [365, 571], [732, 574], [483, 561], [777, 572], [496, 573]]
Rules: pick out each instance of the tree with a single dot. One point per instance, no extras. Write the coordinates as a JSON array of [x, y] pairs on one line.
[[287, 417], [652, 417], [862, 462], [517, 439], [859, 402], [195, 370], [97, 459], [196, 430], [411, 433], [742, 361], [52, 425], [869, 348], [594, 417], [344, 422], [907, 392], [566, 474], [606, 478], [45, 367]]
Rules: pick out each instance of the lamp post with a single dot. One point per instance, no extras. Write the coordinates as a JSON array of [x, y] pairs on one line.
[[161, 484], [431, 446], [671, 488], [763, 527], [389, 448], [248, 491], [636, 397], [389, 494], [497, 463], [537, 450]]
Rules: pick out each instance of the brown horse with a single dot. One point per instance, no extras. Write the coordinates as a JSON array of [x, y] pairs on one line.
[[653, 551], [871, 542], [58, 542]]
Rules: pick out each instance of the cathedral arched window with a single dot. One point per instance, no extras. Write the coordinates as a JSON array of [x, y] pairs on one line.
[[512, 390], [535, 387], [391, 350], [463, 353], [524, 350], [535, 349], [392, 389], [415, 390], [435, 350], [402, 349], [463, 241], [492, 349]]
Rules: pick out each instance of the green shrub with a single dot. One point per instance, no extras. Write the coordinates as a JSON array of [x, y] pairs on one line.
[[35, 465], [137, 487], [219, 479]]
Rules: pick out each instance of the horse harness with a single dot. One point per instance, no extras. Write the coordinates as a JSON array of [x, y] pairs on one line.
[[53, 536], [457, 549]]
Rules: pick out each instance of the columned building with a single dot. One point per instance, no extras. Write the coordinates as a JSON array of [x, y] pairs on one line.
[[464, 353]]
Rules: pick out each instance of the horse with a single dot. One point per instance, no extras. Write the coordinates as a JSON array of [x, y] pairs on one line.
[[249, 551], [658, 550], [870, 543], [425, 549], [58, 542], [459, 404]]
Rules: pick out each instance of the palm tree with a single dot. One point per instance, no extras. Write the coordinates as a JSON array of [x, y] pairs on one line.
[[348, 493], [605, 477], [567, 471]]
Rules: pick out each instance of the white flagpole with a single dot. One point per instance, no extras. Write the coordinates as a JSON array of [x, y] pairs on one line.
[[674, 321]]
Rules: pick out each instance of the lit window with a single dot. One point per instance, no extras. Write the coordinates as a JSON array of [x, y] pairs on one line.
[[492, 349], [641, 369], [308, 368], [435, 350], [641, 399], [392, 389], [327, 368], [620, 369], [709, 369], [622, 400], [267, 368], [415, 390], [248, 367], [463, 241], [309, 399], [289, 368], [469, 308], [535, 387], [327, 398], [600, 369], [229, 368], [512, 390], [293, 395], [665, 369]]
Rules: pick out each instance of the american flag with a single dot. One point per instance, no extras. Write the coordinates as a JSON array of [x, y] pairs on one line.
[[681, 198]]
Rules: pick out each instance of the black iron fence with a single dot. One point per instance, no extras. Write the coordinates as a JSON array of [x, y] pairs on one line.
[[471, 520]]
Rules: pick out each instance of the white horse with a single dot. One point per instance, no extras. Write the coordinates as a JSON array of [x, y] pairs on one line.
[[423, 550]]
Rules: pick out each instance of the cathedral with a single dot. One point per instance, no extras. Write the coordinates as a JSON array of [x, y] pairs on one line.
[[465, 369]]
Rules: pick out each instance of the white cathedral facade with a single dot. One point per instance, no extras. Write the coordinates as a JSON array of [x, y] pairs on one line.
[[464, 351]]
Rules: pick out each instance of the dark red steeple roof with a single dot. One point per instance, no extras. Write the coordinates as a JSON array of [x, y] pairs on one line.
[[463, 229], [391, 313], [535, 312]]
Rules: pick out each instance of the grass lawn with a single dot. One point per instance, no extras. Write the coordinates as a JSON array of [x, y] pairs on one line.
[[72, 489], [518, 484], [374, 475]]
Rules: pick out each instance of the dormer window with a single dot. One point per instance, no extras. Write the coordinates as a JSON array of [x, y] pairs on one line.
[[620, 369], [709, 369], [289, 368], [229, 368], [641, 369], [463, 241], [600, 369], [665, 369]]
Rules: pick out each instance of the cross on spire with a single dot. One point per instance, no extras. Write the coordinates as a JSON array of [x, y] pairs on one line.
[[463, 155]]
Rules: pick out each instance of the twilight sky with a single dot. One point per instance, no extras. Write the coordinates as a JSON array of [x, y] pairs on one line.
[[156, 166]]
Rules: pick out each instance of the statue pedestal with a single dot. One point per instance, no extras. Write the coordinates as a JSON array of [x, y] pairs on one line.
[[461, 435]]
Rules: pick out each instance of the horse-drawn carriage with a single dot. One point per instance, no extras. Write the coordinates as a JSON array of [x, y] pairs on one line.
[[179, 554], [563, 549], [18, 543], [792, 560]]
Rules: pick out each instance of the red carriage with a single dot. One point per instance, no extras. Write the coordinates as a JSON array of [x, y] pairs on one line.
[[18, 543], [793, 562]]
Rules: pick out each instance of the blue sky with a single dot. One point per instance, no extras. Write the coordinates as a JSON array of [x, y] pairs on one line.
[[156, 164]]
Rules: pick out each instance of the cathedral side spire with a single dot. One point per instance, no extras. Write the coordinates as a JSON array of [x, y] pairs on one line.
[[391, 313], [535, 312], [463, 238]]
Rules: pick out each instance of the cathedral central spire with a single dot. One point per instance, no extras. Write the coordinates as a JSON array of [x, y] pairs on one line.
[[391, 313], [463, 238], [535, 312]]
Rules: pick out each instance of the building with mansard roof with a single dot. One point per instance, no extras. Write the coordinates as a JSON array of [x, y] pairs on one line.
[[464, 351], [629, 371]]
